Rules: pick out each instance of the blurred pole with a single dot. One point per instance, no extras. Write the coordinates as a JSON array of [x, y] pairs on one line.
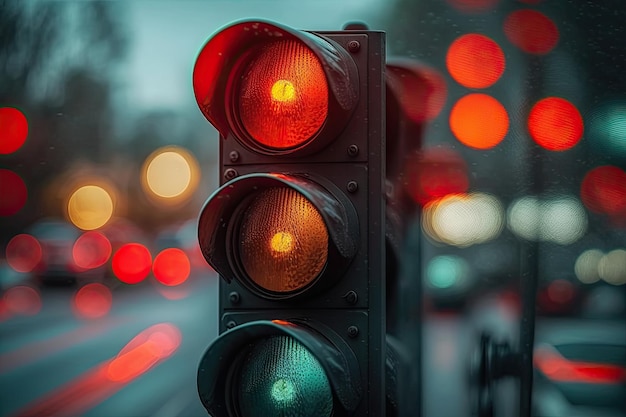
[[527, 326], [410, 327], [406, 92], [530, 254]]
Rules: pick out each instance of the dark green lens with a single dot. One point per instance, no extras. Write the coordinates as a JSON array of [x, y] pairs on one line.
[[280, 377]]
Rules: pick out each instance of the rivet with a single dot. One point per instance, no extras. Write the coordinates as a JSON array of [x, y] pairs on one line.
[[354, 46], [353, 150], [353, 331], [234, 297], [351, 297], [230, 173]]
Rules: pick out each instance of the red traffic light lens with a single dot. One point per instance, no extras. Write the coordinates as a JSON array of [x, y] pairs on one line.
[[274, 89], [284, 240], [283, 95]]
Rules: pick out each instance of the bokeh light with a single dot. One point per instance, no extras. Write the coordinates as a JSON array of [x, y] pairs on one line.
[[523, 217], [92, 301], [606, 129], [132, 263], [586, 266], [561, 291], [563, 220], [22, 300], [612, 267], [479, 121], [531, 31], [555, 124], [558, 296], [435, 173], [475, 61], [91, 250], [603, 190], [464, 219], [559, 219], [90, 207], [13, 191], [171, 267], [170, 174], [23, 253], [447, 271], [13, 130]]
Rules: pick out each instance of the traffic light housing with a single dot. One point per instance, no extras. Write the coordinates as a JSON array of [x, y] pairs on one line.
[[415, 94], [296, 230]]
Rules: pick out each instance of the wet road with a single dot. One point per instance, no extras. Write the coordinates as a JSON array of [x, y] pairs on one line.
[[138, 359]]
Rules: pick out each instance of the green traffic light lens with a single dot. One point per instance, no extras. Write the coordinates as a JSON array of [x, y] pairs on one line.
[[281, 377]]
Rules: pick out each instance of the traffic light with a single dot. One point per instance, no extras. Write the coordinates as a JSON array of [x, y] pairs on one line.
[[415, 95], [296, 230]]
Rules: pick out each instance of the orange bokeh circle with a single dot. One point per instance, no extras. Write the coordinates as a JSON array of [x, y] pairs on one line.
[[479, 121], [475, 61]]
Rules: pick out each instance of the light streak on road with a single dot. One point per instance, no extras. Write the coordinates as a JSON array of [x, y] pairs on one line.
[[150, 347]]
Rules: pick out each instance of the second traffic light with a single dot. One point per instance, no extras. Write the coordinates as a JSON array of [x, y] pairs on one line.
[[297, 229]]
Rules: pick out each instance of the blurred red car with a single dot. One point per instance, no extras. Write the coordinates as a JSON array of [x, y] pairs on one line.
[[580, 368], [59, 263]]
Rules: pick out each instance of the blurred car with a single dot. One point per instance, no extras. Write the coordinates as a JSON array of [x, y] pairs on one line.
[[56, 239], [580, 368], [68, 255]]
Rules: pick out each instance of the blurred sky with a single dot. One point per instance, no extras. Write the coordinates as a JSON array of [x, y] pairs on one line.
[[160, 72]]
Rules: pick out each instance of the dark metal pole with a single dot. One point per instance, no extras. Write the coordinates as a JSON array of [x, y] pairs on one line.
[[530, 257], [527, 328]]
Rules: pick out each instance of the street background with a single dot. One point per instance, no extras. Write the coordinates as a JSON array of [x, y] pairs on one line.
[[518, 171]]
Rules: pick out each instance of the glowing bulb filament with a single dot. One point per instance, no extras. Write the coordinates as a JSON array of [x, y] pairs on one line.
[[282, 242], [283, 91], [283, 390]]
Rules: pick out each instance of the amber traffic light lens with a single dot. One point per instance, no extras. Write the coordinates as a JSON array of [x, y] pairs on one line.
[[284, 241], [283, 95], [281, 377]]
